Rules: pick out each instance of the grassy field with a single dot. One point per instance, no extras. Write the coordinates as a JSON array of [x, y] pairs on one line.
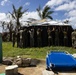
[[9, 51]]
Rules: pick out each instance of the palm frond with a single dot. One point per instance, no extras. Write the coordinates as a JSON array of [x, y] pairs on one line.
[[24, 11], [39, 11], [14, 9], [45, 10], [39, 8], [40, 15], [19, 9], [50, 17], [12, 15], [20, 12], [17, 14], [49, 13]]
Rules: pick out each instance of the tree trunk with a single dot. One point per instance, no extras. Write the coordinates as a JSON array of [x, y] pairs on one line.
[[18, 24], [10, 33]]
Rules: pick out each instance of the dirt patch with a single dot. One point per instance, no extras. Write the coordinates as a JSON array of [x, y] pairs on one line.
[[29, 70], [2, 68]]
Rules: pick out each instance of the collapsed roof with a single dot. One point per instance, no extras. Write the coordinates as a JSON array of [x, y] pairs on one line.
[[43, 22], [49, 22]]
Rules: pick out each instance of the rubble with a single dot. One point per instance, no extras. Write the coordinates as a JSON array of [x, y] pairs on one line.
[[21, 62]]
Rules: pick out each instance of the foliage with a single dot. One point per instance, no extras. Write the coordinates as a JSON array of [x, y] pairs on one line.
[[40, 53], [17, 14], [45, 13]]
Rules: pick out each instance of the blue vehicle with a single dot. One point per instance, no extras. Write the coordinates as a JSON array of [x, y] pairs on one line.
[[56, 60]]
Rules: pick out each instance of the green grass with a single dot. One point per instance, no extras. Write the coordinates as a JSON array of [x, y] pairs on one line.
[[9, 51]]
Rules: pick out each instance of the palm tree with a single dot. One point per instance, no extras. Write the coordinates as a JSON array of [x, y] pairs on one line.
[[45, 13], [17, 14]]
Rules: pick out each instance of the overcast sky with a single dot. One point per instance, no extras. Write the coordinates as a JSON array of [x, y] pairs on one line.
[[63, 9]]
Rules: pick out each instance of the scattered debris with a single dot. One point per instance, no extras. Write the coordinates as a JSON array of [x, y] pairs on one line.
[[21, 62], [7, 61]]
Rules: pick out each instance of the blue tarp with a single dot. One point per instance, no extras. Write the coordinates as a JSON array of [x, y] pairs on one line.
[[60, 60]]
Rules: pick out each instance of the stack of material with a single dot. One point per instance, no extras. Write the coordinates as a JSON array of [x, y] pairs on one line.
[[11, 70]]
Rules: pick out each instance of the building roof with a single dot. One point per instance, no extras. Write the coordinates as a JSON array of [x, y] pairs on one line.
[[50, 22]]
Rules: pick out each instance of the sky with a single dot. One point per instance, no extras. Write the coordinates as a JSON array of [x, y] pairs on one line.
[[63, 9]]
